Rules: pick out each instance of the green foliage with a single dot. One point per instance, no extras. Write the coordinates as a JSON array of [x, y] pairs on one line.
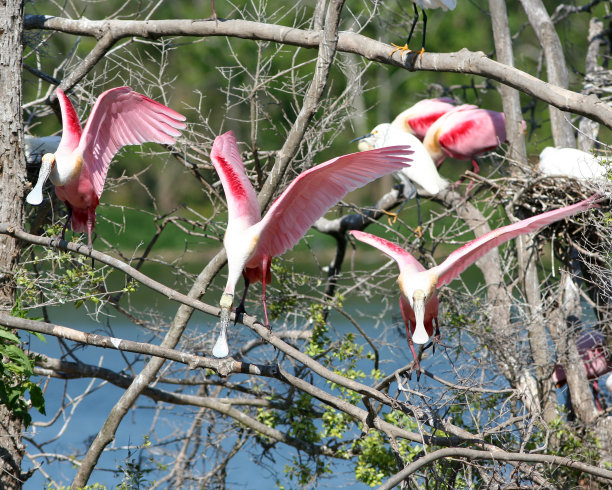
[[304, 474], [94, 486], [132, 472], [319, 340], [376, 459], [16, 370]]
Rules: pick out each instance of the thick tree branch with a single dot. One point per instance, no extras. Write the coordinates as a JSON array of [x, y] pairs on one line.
[[473, 454], [222, 366], [464, 61]]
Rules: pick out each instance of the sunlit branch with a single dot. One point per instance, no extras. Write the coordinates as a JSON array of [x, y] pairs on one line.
[[464, 61]]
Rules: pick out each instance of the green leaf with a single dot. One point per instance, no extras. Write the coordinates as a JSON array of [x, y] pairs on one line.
[[39, 336], [37, 398], [5, 334]]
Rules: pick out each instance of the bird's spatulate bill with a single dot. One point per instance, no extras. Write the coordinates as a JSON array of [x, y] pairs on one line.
[[35, 196], [221, 348], [420, 335]]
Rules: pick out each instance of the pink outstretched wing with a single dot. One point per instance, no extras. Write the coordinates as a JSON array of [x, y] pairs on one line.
[[405, 260], [239, 192], [123, 117], [316, 190], [469, 253], [71, 127]]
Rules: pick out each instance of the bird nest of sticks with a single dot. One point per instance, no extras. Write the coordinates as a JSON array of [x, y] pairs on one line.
[[529, 193]]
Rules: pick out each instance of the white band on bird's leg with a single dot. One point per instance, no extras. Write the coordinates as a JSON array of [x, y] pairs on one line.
[[227, 300]]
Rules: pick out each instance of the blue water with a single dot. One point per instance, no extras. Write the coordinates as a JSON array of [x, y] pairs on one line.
[[87, 416], [243, 471]]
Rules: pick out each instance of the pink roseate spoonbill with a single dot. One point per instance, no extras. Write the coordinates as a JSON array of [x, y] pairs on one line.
[[424, 4], [464, 133], [78, 167], [417, 119], [570, 162], [252, 241], [419, 300], [592, 348]]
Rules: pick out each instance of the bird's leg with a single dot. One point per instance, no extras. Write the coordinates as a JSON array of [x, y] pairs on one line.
[[595, 389], [417, 365], [91, 219], [476, 170], [213, 13], [391, 215], [68, 218], [419, 54], [436, 338], [265, 263], [405, 47], [419, 228], [241, 310], [475, 167]]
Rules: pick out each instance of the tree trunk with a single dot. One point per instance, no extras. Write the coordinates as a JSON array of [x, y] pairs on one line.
[[556, 69], [12, 178]]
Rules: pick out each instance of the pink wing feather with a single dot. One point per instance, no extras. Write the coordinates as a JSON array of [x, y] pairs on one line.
[[405, 260], [71, 126], [123, 117], [239, 192], [424, 113], [463, 257], [468, 133], [316, 190]]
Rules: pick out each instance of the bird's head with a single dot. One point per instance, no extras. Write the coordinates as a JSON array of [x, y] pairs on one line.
[[374, 139], [35, 196], [365, 142]]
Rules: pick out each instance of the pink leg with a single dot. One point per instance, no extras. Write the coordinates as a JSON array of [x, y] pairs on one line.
[[91, 219], [264, 265], [436, 338], [596, 395], [417, 365], [475, 166]]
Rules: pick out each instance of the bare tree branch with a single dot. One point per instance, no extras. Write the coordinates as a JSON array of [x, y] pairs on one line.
[[464, 61]]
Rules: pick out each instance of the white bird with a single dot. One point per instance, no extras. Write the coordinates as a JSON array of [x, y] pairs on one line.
[[423, 171], [569, 162]]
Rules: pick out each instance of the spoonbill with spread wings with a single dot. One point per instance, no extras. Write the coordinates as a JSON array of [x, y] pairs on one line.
[[419, 300], [78, 167], [252, 241]]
